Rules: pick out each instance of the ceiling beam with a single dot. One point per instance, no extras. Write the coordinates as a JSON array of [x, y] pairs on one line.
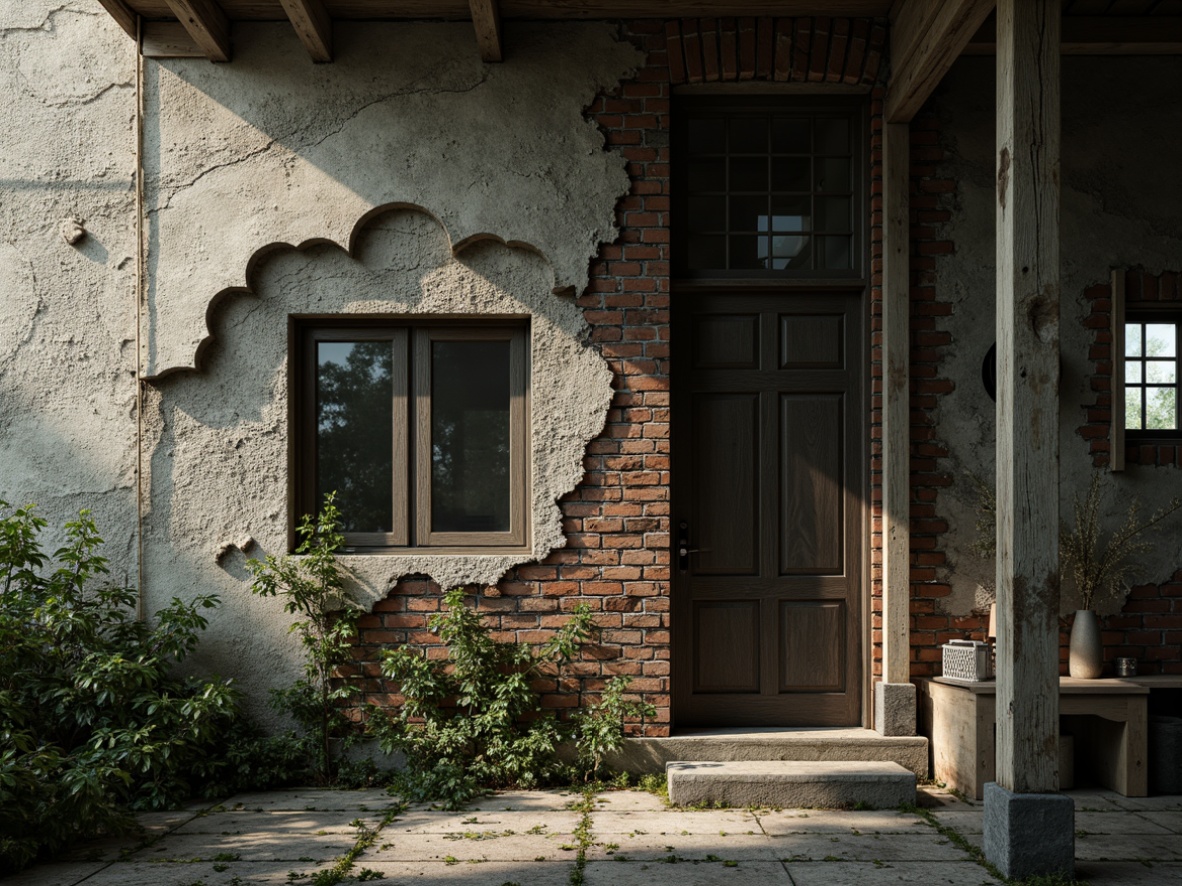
[[927, 37], [313, 25], [1101, 35], [124, 16], [486, 18], [207, 25]]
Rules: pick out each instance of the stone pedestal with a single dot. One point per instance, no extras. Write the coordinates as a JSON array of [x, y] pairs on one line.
[[894, 708], [1029, 834]]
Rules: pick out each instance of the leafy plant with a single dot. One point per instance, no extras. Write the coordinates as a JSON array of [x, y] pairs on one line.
[[312, 586], [92, 719], [599, 730], [475, 721], [984, 545], [1102, 567]]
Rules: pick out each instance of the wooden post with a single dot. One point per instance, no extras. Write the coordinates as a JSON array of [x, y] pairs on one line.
[[1028, 395], [896, 411]]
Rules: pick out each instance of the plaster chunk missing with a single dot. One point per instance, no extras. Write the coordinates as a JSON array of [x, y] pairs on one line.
[[220, 467]]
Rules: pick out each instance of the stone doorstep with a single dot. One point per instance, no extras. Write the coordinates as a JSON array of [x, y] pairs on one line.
[[650, 755], [791, 783]]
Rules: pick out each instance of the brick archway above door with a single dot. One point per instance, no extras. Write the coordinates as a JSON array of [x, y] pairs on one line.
[[800, 49]]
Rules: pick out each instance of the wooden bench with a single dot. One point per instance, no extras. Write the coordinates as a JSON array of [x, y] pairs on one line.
[[959, 719]]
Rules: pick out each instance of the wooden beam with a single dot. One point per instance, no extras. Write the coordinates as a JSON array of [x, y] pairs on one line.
[[896, 405], [168, 40], [1101, 35], [312, 25], [122, 15], [927, 37], [1028, 110], [207, 25], [486, 18]]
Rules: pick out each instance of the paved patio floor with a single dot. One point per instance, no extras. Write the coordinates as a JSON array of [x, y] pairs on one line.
[[530, 839]]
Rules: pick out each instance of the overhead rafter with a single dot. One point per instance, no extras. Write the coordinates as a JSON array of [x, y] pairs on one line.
[[313, 25], [486, 18], [207, 25], [1101, 35], [124, 16], [926, 38]]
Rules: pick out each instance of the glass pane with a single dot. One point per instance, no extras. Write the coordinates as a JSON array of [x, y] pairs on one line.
[[748, 135], [1133, 409], [748, 252], [1160, 409], [707, 137], [1160, 372], [707, 213], [833, 135], [470, 439], [706, 253], [833, 214], [707, 175], [791, 214], [1133, 339], [791, 174], [791, 253], [1133, 372], [833, 252], [833, 174], [748, 174], [355, 431], [791, 136], [1161, 340], [748, 214]]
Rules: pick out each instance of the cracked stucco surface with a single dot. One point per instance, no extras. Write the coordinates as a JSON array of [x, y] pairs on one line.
[[275, 149], [67, 321], [1121, 186], [219, 435]]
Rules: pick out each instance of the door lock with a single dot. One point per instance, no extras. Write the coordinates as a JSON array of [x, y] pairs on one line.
[[683, 547]]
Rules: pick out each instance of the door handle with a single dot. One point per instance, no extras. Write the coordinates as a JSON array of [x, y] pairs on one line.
[[683, 547]]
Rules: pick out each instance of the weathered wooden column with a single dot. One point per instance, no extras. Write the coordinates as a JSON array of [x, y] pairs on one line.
[[894, 697], [1028, 827]]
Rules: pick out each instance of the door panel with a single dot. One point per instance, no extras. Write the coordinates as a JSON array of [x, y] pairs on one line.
[[769, 491]]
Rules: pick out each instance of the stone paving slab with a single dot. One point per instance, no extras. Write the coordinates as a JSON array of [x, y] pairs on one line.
[[55, 874], [1171, 821], [421, 820], [463, 874], [1100, 873], [798, 821], [745, 873], [310, 799], [260, 845], [1129, 847], [879, 847], [963, 821], [673, 821], [241, 873], [674, 848], [339, 821], [1117, 823], [522, 801], [963, 873], [495, 847]]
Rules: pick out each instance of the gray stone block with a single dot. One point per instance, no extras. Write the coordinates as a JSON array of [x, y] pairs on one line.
[[1029, 834], [792, 783], [894, 708]]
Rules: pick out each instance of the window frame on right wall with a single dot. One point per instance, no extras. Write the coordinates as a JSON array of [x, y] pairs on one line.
[[1140, 314]]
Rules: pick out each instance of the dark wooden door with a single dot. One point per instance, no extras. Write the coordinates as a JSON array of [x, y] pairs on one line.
[[769, 488]]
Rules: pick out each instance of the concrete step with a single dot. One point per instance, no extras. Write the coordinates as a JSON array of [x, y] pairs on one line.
[[649, 755], [791, 783]]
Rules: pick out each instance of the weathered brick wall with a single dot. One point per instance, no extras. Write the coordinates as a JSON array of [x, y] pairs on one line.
[[617, 558]]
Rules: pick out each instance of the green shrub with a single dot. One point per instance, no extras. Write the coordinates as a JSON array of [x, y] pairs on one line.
[[92, 720], [473, 722], [312, 586], [599, 729]]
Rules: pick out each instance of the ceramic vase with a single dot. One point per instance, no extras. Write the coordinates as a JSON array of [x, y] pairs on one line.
[[1087, 652]]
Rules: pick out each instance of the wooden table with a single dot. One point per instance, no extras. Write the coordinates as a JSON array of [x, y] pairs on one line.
[[959, 719]]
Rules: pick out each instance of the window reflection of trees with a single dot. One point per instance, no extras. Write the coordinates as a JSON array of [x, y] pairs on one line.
[[354, 426], [470, 436]]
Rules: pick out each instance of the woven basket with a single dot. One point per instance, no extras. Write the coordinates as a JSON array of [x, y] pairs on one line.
[[968, 660]]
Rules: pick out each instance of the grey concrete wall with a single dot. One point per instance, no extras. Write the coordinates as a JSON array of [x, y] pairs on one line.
[[67, 313], [1122, 186]]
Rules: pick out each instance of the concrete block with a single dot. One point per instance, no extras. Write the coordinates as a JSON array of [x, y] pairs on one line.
[[791, 783], [1029, 834], [894, 708]]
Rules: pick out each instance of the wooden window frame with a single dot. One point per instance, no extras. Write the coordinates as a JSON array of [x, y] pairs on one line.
[[410, 494]]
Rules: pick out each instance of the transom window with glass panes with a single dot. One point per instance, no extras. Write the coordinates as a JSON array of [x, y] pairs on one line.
[[1151, 373], [768, 190]]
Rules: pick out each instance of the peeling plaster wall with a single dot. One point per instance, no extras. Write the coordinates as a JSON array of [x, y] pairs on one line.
[[499, 191], [274, 149], [67, 312], [1122, 186]]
